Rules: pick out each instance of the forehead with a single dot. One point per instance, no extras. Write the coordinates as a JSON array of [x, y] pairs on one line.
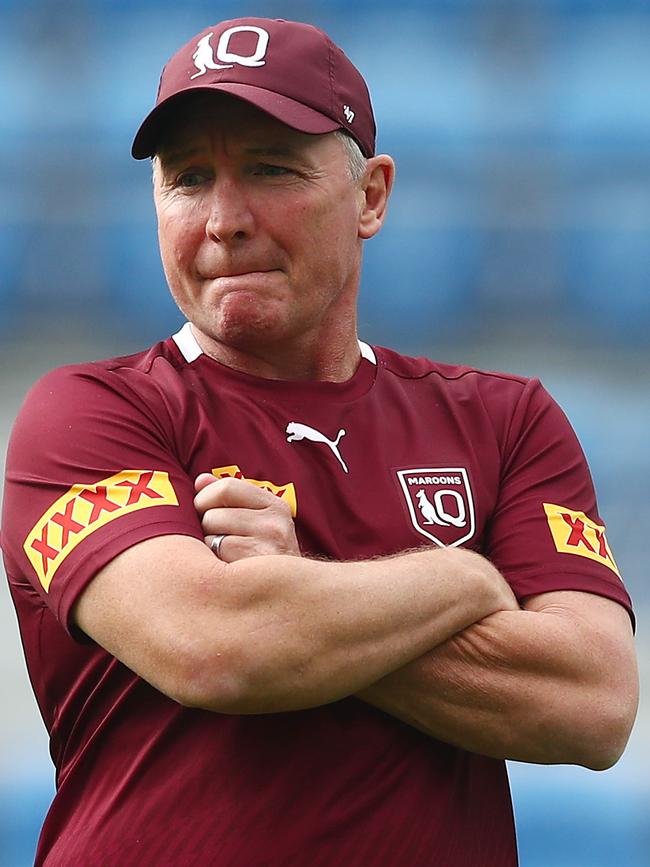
[[200, 118]]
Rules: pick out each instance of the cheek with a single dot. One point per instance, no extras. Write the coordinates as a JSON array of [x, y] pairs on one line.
[[333, 241], [179, 240], [322, 233]]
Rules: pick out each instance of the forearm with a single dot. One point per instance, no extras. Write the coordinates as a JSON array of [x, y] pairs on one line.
[[526, 685], [277, 632], [318, 631]]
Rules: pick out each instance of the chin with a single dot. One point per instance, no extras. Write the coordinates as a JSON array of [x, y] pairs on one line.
[[239, 326]]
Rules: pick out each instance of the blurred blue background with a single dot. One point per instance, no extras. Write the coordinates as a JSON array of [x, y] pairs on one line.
[[518, 239]]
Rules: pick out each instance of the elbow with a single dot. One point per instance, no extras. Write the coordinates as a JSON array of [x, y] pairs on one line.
[[206, 678], [608, 742], [217, 689], [602, 757], [606, 738], [590, 728], [605, 717], [213, 663], [240, 680]]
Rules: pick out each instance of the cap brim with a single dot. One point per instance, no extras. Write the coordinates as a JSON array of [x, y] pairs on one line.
[[294, 114]]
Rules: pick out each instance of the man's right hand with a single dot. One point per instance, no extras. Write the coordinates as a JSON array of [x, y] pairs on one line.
[[254, 521]]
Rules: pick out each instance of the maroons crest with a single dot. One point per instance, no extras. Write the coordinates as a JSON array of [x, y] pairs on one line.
[[440, 503]]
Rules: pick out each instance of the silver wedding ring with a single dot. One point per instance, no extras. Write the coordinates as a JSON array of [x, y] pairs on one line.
[[215, 544]]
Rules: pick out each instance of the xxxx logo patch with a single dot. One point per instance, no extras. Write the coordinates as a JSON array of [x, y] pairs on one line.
[[575, 533], [285, 492], [85, 508]]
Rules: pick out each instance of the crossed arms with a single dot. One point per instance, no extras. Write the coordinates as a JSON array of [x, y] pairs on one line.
[[433, 637]]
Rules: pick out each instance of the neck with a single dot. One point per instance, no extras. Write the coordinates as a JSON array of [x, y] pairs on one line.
[[305, 360]]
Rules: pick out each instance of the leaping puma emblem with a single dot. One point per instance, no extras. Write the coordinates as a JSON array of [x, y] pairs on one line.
[[298, 431]]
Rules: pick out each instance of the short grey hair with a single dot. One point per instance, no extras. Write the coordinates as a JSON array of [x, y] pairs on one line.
[[356, 161]]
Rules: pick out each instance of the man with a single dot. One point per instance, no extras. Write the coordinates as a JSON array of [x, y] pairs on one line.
[[288, 599]]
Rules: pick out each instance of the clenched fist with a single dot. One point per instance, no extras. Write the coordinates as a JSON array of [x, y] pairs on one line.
[[252, 520]]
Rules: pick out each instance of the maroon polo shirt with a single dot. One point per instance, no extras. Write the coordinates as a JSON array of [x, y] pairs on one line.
[[407, 452]]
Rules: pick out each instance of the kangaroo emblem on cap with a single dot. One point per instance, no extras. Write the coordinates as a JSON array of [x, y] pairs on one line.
[[203, 57], [298, 431]]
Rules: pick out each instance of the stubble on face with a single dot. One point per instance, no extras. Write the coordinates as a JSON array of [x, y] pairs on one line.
[[261, 252]]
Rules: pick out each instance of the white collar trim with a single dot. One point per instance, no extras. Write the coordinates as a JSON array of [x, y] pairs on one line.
[[367, 352], [190, 349], [187, 343]]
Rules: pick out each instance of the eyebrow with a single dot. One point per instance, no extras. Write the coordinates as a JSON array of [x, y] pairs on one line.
[[273, 150], [174, 155], [277, 149]]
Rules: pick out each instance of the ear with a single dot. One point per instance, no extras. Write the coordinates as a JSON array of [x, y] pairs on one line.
[[376, 186]]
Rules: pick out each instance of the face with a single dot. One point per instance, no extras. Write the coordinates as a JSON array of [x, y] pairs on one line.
[[260, 228]]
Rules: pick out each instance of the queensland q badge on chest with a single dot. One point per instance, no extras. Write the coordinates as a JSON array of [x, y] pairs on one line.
[[440, 503]]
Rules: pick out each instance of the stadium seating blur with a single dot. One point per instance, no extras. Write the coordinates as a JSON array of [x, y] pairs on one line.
[[517, 130], [519, 234]]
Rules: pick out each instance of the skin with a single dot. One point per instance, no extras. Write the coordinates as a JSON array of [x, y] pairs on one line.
[[261, 231], [275, 632], [555, 681]]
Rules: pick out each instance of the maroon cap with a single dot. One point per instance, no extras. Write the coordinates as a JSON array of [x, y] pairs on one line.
[[290, 70]]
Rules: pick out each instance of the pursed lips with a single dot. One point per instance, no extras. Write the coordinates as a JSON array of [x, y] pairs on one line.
[[255, 282], [242, 272]]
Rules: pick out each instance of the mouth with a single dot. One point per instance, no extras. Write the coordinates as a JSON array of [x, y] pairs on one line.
[[242, 273], [242, 280]]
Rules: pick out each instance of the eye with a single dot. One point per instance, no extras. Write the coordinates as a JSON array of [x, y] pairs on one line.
[[272, 171], [189, 180]]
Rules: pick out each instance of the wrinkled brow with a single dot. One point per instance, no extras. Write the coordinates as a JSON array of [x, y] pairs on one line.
[[172, 155], [279, 149], [178, 154]]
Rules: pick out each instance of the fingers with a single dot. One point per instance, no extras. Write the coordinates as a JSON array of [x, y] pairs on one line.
[[253, 521], [236, 493], [251, 532], [242, 522], [234, 547], [202, 480]]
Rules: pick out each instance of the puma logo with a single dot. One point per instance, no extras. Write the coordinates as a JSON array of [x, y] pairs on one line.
[[298, 431]]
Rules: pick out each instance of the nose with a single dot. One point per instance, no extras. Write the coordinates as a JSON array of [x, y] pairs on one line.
[[230, 218]]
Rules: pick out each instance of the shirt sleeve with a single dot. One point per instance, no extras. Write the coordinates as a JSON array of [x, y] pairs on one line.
[[546, 533], [92, 469]]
